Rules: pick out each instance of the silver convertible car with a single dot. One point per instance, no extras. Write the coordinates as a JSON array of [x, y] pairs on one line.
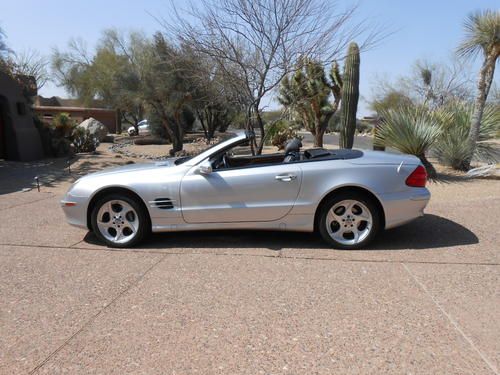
[[348, 196]]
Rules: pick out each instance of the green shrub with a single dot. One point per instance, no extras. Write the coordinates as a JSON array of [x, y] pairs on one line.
[[278, 133], [363, 126], [452, 147], [83, 141], [156, 123], [60, 146], [63, 124]]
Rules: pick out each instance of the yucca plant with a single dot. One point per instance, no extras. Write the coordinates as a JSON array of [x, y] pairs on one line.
[[452, 148], [411, 130], [63, 124]]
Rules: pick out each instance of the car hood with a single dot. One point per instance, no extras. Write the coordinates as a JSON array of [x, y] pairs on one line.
[[133, 168]]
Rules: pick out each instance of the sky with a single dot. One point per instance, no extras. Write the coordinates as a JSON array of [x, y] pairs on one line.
[[422, 29]]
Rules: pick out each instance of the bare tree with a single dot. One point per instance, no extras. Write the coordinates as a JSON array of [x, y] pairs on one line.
[[431, 84], [257, 42], [69, 68], [31, 64], [4, 50], [435, 84]]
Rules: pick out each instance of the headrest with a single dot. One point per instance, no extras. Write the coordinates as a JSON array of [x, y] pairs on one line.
[[293, 146]]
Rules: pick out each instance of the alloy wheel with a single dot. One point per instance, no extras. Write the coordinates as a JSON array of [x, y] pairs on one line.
[[349, 222], [117, 221]]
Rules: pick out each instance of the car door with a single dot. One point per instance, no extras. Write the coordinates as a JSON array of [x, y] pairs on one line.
[[246, 194]]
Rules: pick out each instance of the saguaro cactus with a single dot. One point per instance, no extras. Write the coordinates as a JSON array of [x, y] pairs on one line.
[[350, 96]]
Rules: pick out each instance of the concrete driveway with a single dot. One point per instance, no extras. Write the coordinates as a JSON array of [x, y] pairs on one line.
[[424, 299]]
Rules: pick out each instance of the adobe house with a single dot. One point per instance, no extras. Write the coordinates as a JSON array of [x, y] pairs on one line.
[[47, 108], [19, 138]]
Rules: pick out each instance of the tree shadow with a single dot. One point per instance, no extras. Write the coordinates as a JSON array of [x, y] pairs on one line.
[[16, 176], [428, 232]]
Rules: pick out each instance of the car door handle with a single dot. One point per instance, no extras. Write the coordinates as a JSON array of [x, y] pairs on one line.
[[286, 177]]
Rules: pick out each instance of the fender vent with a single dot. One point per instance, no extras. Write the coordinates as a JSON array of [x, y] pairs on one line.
[[163, 203]]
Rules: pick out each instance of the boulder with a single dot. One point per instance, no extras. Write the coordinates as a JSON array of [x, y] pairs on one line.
[[96, 128]]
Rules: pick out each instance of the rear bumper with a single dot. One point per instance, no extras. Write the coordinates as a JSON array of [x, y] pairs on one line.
[[400, 208]]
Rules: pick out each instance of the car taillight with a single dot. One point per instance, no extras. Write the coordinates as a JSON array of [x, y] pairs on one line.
[[417, 178]]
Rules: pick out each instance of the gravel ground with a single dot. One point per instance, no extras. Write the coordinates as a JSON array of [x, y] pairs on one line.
[[423, 299]]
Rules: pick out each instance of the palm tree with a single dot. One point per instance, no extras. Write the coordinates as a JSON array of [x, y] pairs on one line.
[[482, 30]]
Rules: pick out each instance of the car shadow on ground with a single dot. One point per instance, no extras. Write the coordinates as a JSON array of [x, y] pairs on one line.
[[428, 232]]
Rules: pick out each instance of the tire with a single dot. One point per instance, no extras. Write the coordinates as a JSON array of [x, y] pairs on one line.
[[349, 221], [119, 220]]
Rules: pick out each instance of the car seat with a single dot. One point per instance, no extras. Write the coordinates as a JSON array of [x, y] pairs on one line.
[[292, 151]]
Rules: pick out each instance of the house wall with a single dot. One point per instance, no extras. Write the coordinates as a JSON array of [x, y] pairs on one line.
[[109, 117], [21, 139]]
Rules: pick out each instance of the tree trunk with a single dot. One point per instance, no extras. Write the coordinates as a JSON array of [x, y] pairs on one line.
[[211, 133], [323, 125], [431, 171], [483, 87], [260, 123], [211, 124], [170, 133], [177, 142], [202, 122], [175, 136], [318, 138]]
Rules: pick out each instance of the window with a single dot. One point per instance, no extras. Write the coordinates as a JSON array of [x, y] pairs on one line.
[[240, 156], [21, 108]]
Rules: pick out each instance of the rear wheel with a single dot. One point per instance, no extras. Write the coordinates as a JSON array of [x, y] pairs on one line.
[[349, 221], [119, 220]]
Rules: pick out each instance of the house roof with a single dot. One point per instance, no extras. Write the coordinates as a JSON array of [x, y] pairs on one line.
[[70, 109], [56, 101]]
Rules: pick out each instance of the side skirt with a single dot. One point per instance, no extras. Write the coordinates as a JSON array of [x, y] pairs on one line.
[[298, 223]]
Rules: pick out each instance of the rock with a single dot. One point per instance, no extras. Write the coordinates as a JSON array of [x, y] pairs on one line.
[[96, 128]]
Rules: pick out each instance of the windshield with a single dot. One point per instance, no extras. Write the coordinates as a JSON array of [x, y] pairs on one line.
[[193, 160]]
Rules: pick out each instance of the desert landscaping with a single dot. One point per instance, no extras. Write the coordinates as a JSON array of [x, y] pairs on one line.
[[364, 107], [426, 292]]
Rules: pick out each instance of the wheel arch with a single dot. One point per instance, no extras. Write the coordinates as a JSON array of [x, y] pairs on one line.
[[114, 190], [350, 189]]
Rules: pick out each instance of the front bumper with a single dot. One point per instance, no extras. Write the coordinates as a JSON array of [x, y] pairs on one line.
[[75, 209]]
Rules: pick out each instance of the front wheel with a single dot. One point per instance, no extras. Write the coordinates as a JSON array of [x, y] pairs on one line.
[[349, 221], [119, 220]]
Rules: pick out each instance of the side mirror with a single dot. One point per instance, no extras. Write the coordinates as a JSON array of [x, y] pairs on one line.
[[205, 167]]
